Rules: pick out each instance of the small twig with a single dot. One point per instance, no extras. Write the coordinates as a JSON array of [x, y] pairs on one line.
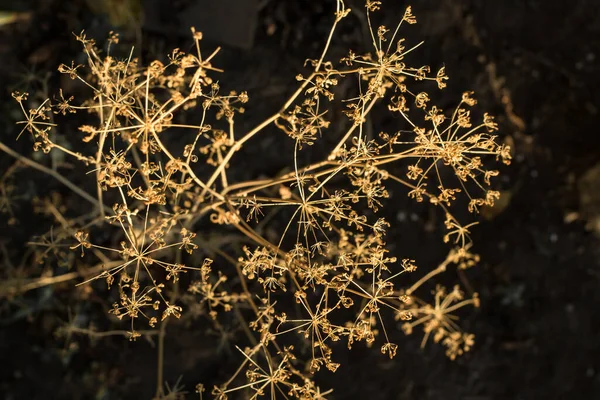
[[52, 173]]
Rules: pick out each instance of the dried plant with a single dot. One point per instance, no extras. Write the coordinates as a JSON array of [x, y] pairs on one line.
[[184, 231]]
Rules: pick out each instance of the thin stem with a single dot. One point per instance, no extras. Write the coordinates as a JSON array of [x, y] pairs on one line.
[[52, 173]]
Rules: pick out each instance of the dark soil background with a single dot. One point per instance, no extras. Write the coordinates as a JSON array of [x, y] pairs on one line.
[[534, 64]]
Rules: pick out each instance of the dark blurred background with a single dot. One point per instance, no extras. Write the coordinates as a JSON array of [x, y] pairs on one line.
[[532, 63]]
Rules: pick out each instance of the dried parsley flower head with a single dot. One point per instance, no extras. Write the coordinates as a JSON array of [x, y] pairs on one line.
[[296, 257]]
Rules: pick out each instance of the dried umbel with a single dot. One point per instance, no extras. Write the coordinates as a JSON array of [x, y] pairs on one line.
[[327, 277]]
